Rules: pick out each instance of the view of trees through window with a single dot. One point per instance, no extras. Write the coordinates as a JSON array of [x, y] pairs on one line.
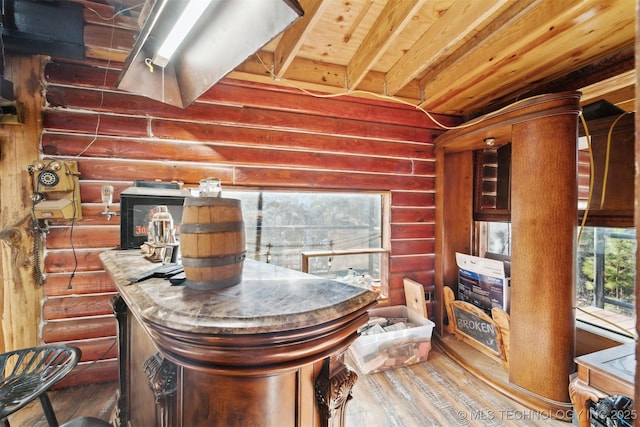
[[606, 269], [280, 225]]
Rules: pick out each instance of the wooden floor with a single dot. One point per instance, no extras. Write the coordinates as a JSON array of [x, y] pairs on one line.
[[437, 392]]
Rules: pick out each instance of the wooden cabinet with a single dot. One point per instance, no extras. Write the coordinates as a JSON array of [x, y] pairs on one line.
[[613, 150], [543, 203], [267, 351], [608, 372]]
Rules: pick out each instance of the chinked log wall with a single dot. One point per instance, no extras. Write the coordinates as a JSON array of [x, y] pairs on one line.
[[247, 134]]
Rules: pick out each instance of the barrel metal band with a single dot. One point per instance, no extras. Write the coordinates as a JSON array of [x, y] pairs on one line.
[[216, 227], [214, 261], [214, 284]]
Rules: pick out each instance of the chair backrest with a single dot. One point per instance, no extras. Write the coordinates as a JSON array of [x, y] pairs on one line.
[[414, 296]]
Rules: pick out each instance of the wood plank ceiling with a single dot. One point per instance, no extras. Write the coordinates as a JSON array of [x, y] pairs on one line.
[[461, 57]]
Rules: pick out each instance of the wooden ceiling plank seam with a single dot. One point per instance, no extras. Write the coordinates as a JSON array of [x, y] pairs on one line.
[[502, 21], [483, 61], [443, 37], [293, 38], [390, 23], [524, 69]]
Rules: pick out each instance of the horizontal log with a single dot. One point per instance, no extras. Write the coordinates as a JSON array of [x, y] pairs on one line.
[[413, 214], [91, 373], [265, 119], [424, 277], [246, 146], [83, 237], [96, 349], [412, 231], [271, 96], [58, 261], [92, 124], [79, 329], [301, 139], [412, 247], [93, 282], [76, 306], [329, 180], [413, 198], [79, 75], [411, 263], [105, 169], [93, 214], [245, 152]]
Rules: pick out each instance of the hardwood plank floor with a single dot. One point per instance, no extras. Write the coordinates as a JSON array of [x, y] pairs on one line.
[[96, 400], [437, 392]]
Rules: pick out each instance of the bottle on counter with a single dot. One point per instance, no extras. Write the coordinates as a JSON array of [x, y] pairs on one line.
[[210, 187]]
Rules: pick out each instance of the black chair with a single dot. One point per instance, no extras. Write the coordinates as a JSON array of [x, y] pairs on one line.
[[27, 374]]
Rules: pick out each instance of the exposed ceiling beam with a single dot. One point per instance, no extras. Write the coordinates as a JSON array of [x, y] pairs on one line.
[[390, 23], [293, 37], [450, 31], [621, 85], [505, 18]]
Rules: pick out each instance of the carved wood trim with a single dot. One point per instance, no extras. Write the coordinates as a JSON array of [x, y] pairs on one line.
[[332, 395], [162, 377]]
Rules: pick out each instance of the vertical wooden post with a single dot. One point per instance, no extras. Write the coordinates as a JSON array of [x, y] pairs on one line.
[[543, 217], [636, 216], [454, 191], [21, 297]]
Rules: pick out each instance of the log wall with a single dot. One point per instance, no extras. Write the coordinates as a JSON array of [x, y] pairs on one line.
[[247, 134]]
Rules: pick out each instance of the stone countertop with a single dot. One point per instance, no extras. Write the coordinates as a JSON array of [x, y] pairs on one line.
[[268, 299]]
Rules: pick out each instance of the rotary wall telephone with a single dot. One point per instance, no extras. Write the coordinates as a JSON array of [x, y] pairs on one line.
[[56, 190]]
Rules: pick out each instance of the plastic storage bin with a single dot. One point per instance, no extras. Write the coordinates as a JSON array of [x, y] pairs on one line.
[[388, 350]]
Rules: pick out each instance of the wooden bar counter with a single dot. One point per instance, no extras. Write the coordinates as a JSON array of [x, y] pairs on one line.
[[265, 352]]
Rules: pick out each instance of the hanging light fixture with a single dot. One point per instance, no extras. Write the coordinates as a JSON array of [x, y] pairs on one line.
[[185, 47]]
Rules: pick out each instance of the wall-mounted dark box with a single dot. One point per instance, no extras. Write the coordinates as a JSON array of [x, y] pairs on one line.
[[135, 205]]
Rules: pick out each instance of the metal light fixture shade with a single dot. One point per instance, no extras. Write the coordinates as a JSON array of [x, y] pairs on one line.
[[225, 35]]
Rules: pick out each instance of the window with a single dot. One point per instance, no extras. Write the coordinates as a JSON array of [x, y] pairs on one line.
[[605, 284], [281, 225]]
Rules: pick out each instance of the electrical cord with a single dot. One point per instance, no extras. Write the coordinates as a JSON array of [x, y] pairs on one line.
[[73, 221], [606, 161]]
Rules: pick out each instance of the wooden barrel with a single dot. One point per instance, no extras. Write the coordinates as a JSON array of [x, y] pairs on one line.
[[212, 242]]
